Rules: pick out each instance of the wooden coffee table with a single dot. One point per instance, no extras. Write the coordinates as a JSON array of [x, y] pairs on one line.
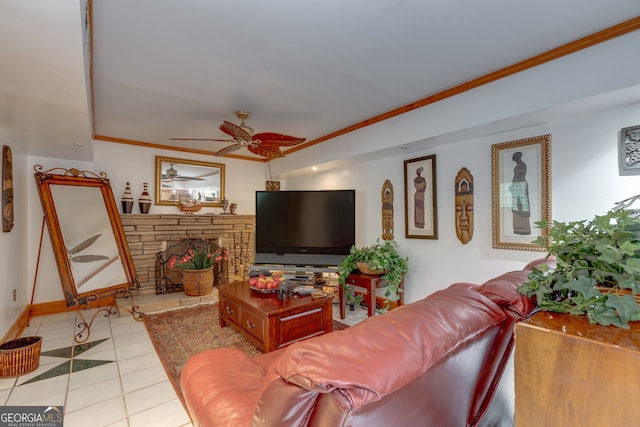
[[272, 323]]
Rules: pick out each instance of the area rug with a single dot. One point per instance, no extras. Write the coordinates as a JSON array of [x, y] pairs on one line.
[[179, 334]]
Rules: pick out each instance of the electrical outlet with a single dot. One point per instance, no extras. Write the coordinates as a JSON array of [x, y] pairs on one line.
[[15, 295]]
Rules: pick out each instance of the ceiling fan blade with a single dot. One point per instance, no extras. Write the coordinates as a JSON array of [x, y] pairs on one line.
[[265, 150], [278, 139], [200, 139], [235, 131], [205, 175], [228, 149], [188, 178]]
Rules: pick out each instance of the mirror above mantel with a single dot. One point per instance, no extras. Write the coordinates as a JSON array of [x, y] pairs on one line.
[[194, 180]]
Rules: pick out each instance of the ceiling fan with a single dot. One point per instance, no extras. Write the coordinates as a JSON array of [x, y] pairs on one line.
[[171, 174], [265, 144]]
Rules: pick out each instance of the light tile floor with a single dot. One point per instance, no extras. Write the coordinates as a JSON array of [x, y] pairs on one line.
[[113, 379]]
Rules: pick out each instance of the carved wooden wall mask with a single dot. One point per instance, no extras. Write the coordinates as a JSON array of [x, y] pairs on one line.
[[464, 205], [7, 189], [387, 210]]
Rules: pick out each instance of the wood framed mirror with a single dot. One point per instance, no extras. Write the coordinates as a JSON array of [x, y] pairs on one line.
[[89, 244], [192, 180]]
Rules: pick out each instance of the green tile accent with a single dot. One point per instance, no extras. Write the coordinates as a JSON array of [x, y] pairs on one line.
[[81, 348], [81, 365], [62, 369], [67, 367], [68, 352], [65, 352]]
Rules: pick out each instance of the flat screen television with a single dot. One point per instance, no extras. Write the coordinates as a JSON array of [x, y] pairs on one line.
[[305, 228]]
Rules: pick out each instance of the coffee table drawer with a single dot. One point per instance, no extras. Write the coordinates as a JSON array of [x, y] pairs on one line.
[[230, 310], [302, 325], [253, 324]]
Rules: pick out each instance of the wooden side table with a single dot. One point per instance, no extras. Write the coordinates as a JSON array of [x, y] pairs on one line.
[[370, 283], [569, 372]]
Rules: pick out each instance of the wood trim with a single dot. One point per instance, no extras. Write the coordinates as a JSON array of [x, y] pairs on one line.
[[46, 308], [16, 329], [173, 148], [566, 49], [54, 307]]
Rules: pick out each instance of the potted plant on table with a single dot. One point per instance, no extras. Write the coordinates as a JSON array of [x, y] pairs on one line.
[[197, 269], [380, 258], [597, 272]]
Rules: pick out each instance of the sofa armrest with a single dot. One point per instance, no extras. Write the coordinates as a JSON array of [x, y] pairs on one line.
[[503, 290], [221, 387], [550, 260]]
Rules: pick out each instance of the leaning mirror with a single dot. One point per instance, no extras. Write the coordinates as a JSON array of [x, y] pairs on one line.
[[179, 180], [89, 244]]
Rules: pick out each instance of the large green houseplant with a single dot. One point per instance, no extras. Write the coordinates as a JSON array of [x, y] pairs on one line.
[[597, 272], [381, 256]]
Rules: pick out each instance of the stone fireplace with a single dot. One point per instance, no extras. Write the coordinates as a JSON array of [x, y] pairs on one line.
[[149, 234]]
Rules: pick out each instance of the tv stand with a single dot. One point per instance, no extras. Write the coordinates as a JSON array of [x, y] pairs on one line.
[[291, 268], [296, 274]]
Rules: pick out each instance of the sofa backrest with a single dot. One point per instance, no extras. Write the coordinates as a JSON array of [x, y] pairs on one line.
[[380, 355]]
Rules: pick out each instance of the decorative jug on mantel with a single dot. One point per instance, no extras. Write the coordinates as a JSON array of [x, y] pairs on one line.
[[144, 202], [127, 200]]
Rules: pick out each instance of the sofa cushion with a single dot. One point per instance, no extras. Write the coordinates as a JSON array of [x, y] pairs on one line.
[[402, 344]]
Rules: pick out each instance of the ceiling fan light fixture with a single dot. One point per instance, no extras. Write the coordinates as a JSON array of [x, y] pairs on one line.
[[171, 172], [242, 115]]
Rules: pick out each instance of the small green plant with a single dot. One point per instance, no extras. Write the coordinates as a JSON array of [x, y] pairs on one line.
[[381, 256], [597, 272]]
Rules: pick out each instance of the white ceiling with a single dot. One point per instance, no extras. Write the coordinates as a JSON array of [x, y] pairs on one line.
[[166, 68]]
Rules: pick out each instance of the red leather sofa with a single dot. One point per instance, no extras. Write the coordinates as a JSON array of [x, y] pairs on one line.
[[435, 362]]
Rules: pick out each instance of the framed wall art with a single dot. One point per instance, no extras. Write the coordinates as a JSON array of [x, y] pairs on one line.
[[521, 190], [420, 201], [7, 189], [629, 151]]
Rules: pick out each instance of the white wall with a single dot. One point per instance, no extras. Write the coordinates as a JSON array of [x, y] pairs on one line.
[[585, 182], [13, 254]]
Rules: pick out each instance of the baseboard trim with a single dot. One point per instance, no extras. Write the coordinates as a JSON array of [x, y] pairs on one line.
[[46, 308], [54, 307], [18, 326]]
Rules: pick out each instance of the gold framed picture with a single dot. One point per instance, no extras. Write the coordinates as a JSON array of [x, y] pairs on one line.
[[521, 191]]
